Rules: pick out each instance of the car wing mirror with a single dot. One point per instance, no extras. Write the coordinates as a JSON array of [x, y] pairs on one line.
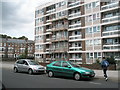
[[69, 66]]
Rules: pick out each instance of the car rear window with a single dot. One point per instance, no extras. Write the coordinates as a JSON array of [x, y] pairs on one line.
[[57, 64], [20, 62]]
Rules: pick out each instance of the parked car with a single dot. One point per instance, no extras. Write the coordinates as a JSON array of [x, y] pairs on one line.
[[68, 69], [30, 66]]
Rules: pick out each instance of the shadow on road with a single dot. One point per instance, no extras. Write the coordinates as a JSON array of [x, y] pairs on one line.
[[69, 78]]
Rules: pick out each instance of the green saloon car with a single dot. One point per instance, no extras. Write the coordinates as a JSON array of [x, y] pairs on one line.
[[68, 69]]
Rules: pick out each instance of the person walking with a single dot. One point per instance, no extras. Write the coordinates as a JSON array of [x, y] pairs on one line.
[[104, 65]]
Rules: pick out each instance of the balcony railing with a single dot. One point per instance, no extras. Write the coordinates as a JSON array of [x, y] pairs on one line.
[[77, 49], [115, 18], [50, 11], [74, 4], [74, 47], [59, 39], [74, 25], [74, 14], [60, 49], [62, 27], [111, 47], [48, 30], [108, 6], [109, 33], [77, 37]]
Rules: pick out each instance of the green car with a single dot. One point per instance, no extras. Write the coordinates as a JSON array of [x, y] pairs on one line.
[[68, 69]]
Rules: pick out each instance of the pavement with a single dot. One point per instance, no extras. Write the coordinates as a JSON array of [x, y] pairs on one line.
[[112, 74]]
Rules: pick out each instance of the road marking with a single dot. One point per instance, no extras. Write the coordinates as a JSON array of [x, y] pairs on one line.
[[94, 83]]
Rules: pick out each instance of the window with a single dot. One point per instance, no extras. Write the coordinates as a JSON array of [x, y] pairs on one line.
[[65, 64], [57, 63], [87, 30], [97, 3], [95, 55], [97, 42], [4, 44], [63, 3], [93, 4], [94, 29], [20, 62], [94, 16], [90, 30], [99, 54], [91, 54]]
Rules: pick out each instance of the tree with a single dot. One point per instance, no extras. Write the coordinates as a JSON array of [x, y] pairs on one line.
[[26, 52], [14, 38], [111, 60], [23, 37]]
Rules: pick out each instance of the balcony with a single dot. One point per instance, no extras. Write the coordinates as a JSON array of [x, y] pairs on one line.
[[59, 39], [50, 11], [111, 19], [112, 47], [74, 4], [111, 33], [58, 28], [74, 15], [48, 40], [59, 18], [74, 26], [110, 6], [76, 50], [75, 38], [74, 47], [48, 30], [60, 49]]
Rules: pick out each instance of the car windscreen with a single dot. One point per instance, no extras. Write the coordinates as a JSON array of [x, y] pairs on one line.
[[74, 64], [33, 63]]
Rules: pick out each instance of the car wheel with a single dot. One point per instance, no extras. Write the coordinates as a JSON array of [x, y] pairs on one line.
[[77, 76], [15, 70], [30, 71], [50, 74]]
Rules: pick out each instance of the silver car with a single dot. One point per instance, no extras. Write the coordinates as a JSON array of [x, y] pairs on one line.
[[30, 66]]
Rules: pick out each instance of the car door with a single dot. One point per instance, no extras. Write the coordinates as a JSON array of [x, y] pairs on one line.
[[20, 65], [67, 69], [57, 69], [25, 66]]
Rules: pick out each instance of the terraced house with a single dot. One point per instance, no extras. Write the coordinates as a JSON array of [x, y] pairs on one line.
[[77, 30], [13, 48]]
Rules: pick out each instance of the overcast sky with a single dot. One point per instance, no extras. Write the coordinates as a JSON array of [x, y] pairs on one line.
[[18, 17]]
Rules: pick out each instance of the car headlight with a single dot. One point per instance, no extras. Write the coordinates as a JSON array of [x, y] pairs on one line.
[[35, 68], [87, 72]]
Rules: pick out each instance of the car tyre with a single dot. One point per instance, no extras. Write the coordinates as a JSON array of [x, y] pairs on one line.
[[30, 71], [15, 70], [50, 74], [77, 76]]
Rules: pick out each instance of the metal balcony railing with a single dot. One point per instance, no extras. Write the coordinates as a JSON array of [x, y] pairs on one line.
[[115, 18], [109, 33], [108, 6]]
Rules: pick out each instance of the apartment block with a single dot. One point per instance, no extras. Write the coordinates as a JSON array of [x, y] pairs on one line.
[[77, 30], [13, 48]]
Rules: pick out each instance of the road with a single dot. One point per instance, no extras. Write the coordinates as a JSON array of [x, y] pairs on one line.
[[24, 80]]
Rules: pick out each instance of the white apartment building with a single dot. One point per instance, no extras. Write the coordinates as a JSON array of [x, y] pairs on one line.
[[77, 30]]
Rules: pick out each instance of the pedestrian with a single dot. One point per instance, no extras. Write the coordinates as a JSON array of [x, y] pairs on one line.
[[104, 65]]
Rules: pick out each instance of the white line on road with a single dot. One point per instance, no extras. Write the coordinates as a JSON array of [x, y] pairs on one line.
[[95, 83]]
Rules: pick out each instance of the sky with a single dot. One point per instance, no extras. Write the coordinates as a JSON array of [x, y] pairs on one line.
[[18, 17]]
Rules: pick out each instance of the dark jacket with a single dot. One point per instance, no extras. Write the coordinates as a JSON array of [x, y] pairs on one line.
[[104, 64]]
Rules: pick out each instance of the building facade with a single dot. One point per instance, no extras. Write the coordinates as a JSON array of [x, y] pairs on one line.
[[13, 48], [77, 30]]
